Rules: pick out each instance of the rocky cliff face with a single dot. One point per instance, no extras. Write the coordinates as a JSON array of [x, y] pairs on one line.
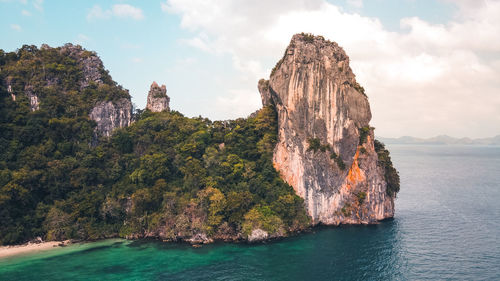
[[110, 115], [68, 69], [29, 91], [33, 97], [158, 100], [90, 64], [325, 148]]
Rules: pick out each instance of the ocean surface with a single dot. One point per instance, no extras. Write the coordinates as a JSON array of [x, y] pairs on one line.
[[447, 227]]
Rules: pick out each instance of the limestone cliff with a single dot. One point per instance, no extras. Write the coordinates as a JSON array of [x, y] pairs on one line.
[[32, 97], [157, 98], [29, 91], [110, 115], [325, 148], [91, 66], [73, 74]]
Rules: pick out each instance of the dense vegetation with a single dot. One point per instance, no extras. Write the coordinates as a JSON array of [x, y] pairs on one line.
[[364, 132], [391, 174], [165, 176]]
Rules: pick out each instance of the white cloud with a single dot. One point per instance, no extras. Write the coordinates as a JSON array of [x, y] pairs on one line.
[[355, 3], [127, 11], [187, 61], [16, 27], [166, 7], [137, 60], [424, 80], [96, 12], [237, 102], [25, 13], [197, 42], [118, 11], [38, 4]]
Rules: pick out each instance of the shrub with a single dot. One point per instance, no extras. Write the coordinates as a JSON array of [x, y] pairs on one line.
[[361, 197], [308, 37], [390, 173], [340, 163], [314, 144], [264, 218], [359, 88], [346, 210], [363, 134]]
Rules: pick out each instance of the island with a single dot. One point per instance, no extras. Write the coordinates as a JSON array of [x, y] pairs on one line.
[[78, 163]]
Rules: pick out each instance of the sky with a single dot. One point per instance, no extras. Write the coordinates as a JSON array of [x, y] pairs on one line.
[[429, 67]]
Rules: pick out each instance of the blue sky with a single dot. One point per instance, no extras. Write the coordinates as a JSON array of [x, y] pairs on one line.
[[210, 54]]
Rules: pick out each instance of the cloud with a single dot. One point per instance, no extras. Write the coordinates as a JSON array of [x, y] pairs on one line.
[[425, 79], [355, 3], [38, 4], [187, 61], [96, 12], [237, 102], [127, 11], [16, 27], [25, 13], [118, 11], [197, 42]]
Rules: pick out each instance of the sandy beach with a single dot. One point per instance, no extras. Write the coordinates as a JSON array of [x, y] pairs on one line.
[[7, 251]]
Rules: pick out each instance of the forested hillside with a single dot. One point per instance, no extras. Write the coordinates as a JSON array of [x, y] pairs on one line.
[[166, 176]]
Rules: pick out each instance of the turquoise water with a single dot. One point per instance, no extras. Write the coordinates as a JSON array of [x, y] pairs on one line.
[[447, 226]]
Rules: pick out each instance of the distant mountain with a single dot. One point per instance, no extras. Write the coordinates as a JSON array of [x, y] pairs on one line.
[[442, 140]]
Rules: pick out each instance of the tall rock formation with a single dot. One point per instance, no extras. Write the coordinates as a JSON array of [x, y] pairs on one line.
[[158, 100], [325, 148]]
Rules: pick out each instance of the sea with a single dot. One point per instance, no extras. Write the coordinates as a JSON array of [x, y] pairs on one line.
[[446, 227]]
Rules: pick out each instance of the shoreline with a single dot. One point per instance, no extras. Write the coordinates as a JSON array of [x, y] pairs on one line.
[[33, 247], [28, 248]]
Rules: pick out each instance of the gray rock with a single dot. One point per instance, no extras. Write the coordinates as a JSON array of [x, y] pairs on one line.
[[158, 100], [90, 64], [8, 81], [199, 238], [265, 93], [317, 97], [32, 97], [110, 115], [258, 235]]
